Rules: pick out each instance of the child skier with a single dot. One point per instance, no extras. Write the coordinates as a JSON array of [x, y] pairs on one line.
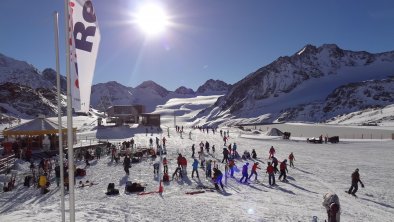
[[291, 158], [217, 178], [254, 170], [244, 173]]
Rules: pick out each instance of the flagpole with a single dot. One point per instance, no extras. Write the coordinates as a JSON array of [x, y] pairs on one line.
[[59, 115], [69, 116]]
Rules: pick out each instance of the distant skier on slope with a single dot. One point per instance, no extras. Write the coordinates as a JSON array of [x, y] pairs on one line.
[[355, 179], [271, 152], [291, 158]]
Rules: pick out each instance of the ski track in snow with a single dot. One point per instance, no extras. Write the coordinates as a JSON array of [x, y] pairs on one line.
[[319, 168]]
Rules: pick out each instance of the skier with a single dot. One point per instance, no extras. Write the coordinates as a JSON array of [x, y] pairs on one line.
[[156, 167], [165, 165], [271, 174], [271, 152], [275, 163], [283, 170], [234, 150], [254, 154], [331, 203], [195, 168], [193, 149], [207, 146], [126, 164], [254, 170], [225, 140], [217, 178], [231, 165], [225, 155], [291, 158], [213, 149], [57, 174], [208, 170], [355, 179], [244, 173], [87, 157]]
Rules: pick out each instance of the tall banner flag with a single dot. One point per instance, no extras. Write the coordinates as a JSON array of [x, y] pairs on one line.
[[84, 39]]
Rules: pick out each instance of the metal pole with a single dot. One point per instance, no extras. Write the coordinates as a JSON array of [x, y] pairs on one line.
[[59, 115], [69, 116]]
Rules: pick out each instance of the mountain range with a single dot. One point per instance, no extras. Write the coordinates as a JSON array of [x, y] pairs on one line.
[[315, 84]]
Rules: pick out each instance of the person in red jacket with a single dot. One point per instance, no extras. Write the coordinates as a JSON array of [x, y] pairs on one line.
[[254, 170], [291, 158], [271, 174], [184, 165], [283, 170], [271, 152]]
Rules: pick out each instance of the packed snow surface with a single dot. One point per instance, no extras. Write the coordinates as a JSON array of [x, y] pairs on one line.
[[319, 169]]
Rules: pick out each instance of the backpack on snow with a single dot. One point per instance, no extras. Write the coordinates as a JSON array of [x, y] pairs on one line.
[[133, 187], [111, 189]]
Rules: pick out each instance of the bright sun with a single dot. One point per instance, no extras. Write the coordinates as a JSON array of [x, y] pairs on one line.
[[152, 19]]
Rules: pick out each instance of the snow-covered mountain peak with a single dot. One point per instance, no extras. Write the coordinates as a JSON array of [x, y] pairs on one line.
[[212, 86]]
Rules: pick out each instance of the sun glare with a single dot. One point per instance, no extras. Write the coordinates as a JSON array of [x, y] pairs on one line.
[[152, 19]]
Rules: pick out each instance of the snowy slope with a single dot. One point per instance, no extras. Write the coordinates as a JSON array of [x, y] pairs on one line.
[[319, 169]]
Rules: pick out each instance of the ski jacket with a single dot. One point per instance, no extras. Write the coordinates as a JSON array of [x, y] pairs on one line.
[[283, 166], [270, 169], [255, 167], [231, 163], [225, 152], [245, 169], [235, 147], [274, 161], [291, 157], [183, 161], [165, 161], [195, 164], [272, 150], [356, 177], [126, 162]]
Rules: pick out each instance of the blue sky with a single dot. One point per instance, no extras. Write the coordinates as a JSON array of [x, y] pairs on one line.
[[212, 39]]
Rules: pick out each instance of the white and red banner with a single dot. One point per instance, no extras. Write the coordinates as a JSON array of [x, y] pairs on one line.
[[84, 39]]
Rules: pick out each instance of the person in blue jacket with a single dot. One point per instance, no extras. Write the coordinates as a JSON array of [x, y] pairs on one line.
[[195, 167], [244, 173]]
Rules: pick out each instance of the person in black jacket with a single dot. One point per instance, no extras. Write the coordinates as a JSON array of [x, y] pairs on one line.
[[355, 179], [126, 164], [225, 155], [57, 174]]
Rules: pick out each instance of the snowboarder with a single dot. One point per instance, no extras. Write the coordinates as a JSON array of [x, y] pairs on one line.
[[271, 152], [331, 203], [283, 170], [254, 170], [217, 178], [244, 173], [355, 179], [291, 158], [271, 174], [195, 168]]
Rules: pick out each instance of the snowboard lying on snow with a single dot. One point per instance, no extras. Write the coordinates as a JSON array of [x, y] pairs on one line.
[[86, 184]]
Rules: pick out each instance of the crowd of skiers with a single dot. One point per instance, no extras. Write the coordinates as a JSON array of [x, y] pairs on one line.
[[205, 158]]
